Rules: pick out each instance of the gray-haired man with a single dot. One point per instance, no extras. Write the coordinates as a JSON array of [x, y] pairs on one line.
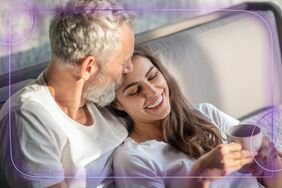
[[54, 136]]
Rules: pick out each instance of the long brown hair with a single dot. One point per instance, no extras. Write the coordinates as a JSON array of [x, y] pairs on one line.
[[184, 128]]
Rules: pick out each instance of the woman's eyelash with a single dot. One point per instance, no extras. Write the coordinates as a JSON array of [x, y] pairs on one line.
[[135, 93], [154, 76], [138, 88]]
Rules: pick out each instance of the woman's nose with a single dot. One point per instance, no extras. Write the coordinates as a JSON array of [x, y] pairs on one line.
[[150, 90]]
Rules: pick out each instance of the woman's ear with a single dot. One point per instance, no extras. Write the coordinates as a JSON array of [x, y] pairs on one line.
[[88, 66], [116, 105]]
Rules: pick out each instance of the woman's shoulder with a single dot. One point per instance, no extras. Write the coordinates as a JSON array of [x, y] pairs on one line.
[[126, 149], [132, 155], [133, 160], [216, 116], [131, 149], [206, 108], [209, 111]]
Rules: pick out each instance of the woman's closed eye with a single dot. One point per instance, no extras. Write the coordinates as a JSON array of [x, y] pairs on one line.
[[134, 91], [153, 76]]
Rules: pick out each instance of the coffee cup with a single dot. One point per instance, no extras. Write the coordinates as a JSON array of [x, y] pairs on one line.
[[248, 135]]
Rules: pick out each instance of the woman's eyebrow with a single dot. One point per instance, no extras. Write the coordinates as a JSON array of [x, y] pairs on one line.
[[136, 83], [148, 72], [130, 85]]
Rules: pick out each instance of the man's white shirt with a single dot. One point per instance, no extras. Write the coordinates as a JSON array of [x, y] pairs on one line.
[[42, 146]]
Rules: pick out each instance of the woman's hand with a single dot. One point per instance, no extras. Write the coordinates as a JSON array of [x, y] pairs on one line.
[[221, 161]]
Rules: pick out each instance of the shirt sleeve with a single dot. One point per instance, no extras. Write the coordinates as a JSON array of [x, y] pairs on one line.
[[131, 170], [29, 155], [222, 120]]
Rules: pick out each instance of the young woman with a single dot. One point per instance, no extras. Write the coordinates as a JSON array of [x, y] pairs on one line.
[[172, 143]]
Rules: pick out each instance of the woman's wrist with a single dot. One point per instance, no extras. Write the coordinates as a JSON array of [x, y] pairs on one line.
[[198, 168], [197, 182], [196, 177]]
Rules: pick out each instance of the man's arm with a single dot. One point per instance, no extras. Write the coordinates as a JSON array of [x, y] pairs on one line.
[[29, 156]]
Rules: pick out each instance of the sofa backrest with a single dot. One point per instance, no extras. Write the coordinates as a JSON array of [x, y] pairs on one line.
[[230, 58]]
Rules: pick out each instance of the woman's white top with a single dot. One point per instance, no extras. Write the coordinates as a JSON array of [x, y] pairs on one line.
[[156, 164]]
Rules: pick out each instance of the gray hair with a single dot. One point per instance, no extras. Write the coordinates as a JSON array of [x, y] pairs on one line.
[[87, 27]]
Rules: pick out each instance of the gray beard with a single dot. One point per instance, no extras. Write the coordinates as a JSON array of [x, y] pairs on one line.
[[101, 96]]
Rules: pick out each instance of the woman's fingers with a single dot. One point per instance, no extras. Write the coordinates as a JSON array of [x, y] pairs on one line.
[[232, 157], [239, 158], [232, 147], [222, 160], [247, 157], [226, 168], [239, 154]]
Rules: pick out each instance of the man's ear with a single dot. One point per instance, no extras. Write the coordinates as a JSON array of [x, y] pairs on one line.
[[88, 67]]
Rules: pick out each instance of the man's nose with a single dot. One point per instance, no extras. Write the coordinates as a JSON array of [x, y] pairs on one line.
[[128, 67]]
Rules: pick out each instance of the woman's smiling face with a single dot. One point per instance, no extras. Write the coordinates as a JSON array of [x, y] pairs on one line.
[[144, 94]]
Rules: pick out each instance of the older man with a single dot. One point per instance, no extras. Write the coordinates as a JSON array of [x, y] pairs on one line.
[[51, 133]]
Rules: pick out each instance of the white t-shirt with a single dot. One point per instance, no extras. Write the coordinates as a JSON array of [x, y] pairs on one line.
[[48, 147], [156, 164]]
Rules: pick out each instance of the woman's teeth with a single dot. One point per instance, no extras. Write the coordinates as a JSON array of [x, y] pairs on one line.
[[156, 103]]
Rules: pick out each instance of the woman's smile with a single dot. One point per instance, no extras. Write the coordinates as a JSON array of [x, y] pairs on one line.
[[156, 104]]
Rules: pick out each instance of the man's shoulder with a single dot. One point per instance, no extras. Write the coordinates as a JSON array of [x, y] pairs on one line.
[[108, 123], [107, 114], [29, 97]]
